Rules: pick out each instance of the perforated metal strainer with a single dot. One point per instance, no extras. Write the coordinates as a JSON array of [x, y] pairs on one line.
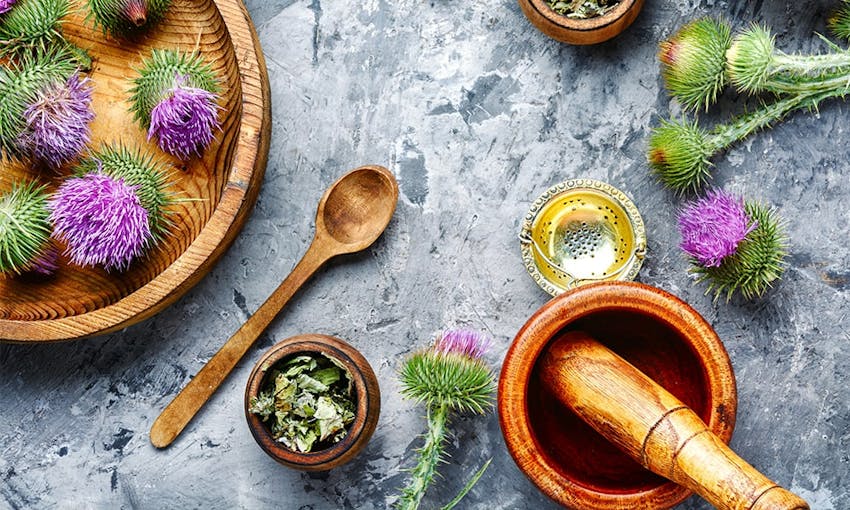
[[582, 231]]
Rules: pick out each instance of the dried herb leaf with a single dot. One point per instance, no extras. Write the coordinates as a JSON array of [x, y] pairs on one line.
[[582, 9], [306, 401]]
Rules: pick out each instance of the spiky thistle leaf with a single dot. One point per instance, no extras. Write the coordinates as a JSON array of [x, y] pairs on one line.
[[126, 18], [32, 25], [150, 178], [679, 153], [693, 62], [20, 85], [24, 227], [758, 262]]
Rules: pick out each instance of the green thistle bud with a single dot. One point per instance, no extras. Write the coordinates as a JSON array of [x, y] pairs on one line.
[[749, 59], [457, 381], [126, 18], [19, 87], [693, 62], [161, 73], [759, 261], [839, 22], [24, 227], [32, 25], [151, 179], [679, 153]]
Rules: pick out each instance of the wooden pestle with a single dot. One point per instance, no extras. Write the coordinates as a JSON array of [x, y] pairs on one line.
[[654, 427]]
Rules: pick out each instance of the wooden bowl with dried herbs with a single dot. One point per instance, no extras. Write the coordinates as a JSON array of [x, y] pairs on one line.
[[312, 402], [581, 21]]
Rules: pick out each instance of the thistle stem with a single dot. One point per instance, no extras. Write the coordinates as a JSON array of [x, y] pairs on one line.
[[429, 457], [809, 64]]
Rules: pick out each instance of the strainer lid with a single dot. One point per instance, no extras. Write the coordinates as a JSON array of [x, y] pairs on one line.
[[582, 231]]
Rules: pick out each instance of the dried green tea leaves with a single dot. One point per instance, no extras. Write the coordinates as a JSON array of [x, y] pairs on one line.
[[582, 9], [306, 401]]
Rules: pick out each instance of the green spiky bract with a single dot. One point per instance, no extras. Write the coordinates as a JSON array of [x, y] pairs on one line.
[[151, 178], [749, 59], [109, 15], [24, 227], [32, 25], [839, 22], [158, 76], [19, 86], [758, 262], [693, 62], [679, 153]]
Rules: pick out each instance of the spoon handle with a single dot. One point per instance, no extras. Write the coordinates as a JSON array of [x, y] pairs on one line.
[[189, 401]]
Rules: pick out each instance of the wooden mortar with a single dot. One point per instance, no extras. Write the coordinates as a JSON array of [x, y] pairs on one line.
[[656, 332]]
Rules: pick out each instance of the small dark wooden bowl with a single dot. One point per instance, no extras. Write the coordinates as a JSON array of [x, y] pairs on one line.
[[367, 397], [656, 332], [581, 31]]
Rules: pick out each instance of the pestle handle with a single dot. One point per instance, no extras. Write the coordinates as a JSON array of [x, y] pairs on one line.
[[654, 427]]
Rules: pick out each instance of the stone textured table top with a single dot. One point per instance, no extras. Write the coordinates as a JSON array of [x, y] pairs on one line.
[[477, 113]]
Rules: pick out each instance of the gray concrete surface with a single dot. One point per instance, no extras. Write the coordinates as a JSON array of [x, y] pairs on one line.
[[476, 113]]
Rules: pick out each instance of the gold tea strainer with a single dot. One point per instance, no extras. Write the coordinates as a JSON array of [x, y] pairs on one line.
[[582, 231]]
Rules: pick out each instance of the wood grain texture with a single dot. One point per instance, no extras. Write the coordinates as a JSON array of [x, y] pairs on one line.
[[654, 427], [366, 394], [223, 184], [351, 215], [581, 31], [656, 332]]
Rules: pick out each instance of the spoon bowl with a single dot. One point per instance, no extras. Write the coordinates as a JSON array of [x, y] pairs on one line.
[[358, 207]]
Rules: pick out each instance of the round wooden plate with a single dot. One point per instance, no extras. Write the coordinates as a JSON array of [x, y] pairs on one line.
[[223, 184]]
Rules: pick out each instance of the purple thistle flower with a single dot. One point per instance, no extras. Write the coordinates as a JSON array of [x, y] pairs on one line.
[[57, 122], [183, 122], [101, 219], [47, 262], [713, 226], [6, 5], [471, 344]]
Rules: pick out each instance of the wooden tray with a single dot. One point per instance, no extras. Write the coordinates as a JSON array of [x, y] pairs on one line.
[[80, 302]]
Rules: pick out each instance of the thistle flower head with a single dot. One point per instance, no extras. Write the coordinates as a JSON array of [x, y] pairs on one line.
[[679, 153], [20, 86], [749, 58], [24, 227], [758, 261], [125, 18], [713, 226], [30, 25], [693, 62], [46, 262], [6, 5], [839, 21], [57, 122], [450, 373], [184, 120], [101, 220]]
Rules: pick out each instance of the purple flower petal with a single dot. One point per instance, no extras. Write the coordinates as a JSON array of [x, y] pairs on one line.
[[713, 226], [57, 122], [184, 121], [101, 220], [466, 342], [6, 5], [47, 262]]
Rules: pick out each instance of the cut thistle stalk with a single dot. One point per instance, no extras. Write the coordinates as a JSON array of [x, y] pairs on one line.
[[680, 151], [733, 246], [448, 377], [31, 25], [175, 99], [126, 18], [24, 228], [113, 209]]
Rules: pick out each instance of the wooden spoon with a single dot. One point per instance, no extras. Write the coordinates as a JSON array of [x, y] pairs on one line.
[[352, 214]]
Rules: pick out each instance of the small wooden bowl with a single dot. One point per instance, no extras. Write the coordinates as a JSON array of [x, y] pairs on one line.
[[366, 393], [222, 184], [581, 31], [656, 332]]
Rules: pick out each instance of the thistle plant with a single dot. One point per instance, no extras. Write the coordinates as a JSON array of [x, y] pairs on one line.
[[839, 22], [57, 121], [30, 25], [126, 18], [113, 209], [448, 377], [175, 99], [24, 230], [733, 245]]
